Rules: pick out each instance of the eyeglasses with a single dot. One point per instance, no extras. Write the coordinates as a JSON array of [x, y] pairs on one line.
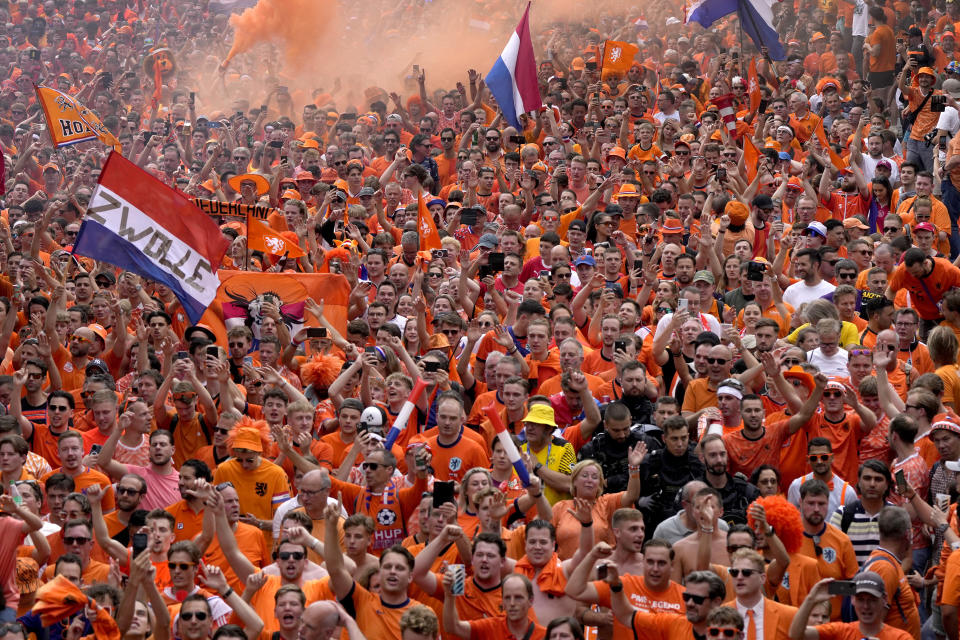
[[237, 344], [445, 139], [127, 491], [717, 360], [735, 573], [904, 323], [866, 252], [286, 555], [823, 457], [75, 540], [182, 566], [832, 394], [372, 466], [190, 615], [726, 632], [692, 597]]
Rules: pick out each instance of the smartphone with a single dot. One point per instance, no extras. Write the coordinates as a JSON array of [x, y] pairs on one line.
[[602, 572], [193, 96], [442, 493], [517, 139], [95, 449], [214, 125], [901, 478], [755, 271], [431, 366], [943, 143], [316, 332], [147, 135], [721, 173], [182, 355], [469, 217], [213, 351], [34, 54], [369, 349], [283, 159], [683, 304], [591, 65], [495, 261], [842, 588], [545, 273], [900, 41], [619, 345], [139, 543]]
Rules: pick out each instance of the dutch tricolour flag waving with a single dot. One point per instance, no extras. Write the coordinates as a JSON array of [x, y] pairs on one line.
[[756, 18], [513, 78]]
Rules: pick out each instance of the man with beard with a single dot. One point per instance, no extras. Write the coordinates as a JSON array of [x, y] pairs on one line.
[[70, 450], [130, 491], [736, 493], [703, 592], [161, 477], [664, 472], [820, 457], [73, 368], [869, 603], [617, 447], [630, 387], [812, 285], [822, 541]]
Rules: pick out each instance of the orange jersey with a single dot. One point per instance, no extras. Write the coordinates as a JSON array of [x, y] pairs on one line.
[[390, 509], [374, 618], [187, 523], [252, 544], [836, 559], [261, 490], [670, 600]]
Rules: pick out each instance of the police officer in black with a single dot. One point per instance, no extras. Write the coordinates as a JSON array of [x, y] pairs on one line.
[[664, 472], [736, 492], [610, 446]]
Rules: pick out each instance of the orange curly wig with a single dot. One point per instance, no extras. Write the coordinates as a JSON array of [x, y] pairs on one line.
[[339, 253], [784, 518], [246, 422], [320, 371]]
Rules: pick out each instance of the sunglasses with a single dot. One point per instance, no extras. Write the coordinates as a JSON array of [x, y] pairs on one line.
[[182, 566], [791, 362], [184, 396], [847, 275], [717, 360], [726, 632], [736, 547], [340, 164], [890, 229], [221, 430], [664, 310], [286, 555], [127, 491], [79, 339], [694, 598], [75, 540], [832, 394], [445, 139], [372, 466], [190, 615], [57, 408], [823, 457], [735, 573]]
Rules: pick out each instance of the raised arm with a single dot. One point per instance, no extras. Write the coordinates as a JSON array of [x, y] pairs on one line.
[[113, 548], [340, 579], [452, 624]]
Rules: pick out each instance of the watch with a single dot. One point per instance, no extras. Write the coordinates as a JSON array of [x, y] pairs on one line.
[[536, 469]]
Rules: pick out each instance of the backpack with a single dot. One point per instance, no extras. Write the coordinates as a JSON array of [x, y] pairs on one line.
[[175, 420], [847, 613], [849, 512]]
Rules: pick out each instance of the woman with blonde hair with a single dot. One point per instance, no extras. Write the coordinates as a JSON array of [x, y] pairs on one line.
[[587, 482], [942, 345]]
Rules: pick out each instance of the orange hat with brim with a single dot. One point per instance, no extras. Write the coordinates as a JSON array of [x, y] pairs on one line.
[[261, 183], [797, 373], [249, 439], [310, 143], [617, 152], [928, 71], [628, 190]]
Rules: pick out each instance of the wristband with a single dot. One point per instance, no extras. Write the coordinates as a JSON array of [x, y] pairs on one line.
[[227, 594], [616, 588], [586, 524], [705, 530], [537, 497]]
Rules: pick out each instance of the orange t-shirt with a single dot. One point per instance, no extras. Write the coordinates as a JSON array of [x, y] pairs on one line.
[[451, 462], [252, 544], [851, 631], [87, 478], [376, 619], [844, 436], [187, 523], [837, 559], [670, 600], [497, 629]]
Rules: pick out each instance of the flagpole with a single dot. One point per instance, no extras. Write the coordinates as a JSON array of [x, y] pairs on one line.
[[752, 23]]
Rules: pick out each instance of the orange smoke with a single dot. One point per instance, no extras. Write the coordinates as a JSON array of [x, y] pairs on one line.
[[297, 24]]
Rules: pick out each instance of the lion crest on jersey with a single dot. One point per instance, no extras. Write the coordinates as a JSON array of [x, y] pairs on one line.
[[829, 554], [386, 517], [455, 464]]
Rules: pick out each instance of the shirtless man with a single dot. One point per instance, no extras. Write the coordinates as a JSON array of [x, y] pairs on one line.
[[686, 549]]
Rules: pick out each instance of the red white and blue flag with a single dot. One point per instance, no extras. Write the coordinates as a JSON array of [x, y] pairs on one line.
[[137, 223], [513, 78], [756, 19]]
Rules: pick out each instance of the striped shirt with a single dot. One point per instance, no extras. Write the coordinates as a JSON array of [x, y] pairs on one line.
[[864, 533]]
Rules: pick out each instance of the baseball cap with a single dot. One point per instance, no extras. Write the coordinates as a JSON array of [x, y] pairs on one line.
[[366, 191], [96, 363], [925, 226], [870, 582], [816, 227], [580, 225], [952, 86], [855, 223], [763, 201], [488, 241], [704, 276], [585, 260]]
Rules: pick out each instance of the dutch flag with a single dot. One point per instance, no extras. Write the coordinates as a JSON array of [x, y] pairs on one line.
[[139, 224], [513, 78], [756, 19]]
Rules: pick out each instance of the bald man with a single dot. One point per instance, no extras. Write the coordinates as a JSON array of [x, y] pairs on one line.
[[322, 621]]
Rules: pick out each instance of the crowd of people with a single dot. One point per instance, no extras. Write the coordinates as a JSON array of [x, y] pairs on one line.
[[712, 300]]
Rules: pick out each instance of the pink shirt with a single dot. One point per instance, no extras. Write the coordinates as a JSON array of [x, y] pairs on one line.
[[162, 490]]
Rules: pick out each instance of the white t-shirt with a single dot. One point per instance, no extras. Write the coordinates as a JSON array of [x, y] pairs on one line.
[[708, 321], [870, 168], [799, 292], [949, 121], [860, 25], [835, 365]]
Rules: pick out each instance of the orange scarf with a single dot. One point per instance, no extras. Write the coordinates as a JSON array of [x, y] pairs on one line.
[[543, 370], [551, 579]]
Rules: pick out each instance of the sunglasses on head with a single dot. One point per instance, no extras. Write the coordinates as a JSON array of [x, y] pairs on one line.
[[735, 573], [184, 396], [286, 555]]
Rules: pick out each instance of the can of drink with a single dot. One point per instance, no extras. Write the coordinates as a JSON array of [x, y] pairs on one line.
[[459, 579], [943, 501]]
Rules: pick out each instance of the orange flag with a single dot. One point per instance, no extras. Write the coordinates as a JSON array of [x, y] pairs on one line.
[[751, 157], [837, 161], [753, 85], [260, 237], [617, 57], [429, 238]]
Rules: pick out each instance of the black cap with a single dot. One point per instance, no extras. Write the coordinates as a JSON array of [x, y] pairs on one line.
[[763, 201]]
